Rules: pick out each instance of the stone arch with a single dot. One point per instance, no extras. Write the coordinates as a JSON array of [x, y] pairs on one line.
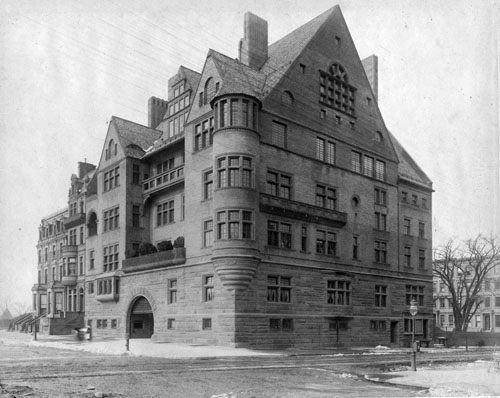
[[92, 223], [140, 314]]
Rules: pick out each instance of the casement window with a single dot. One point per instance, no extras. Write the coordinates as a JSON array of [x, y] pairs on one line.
[[380, 251], [380, 221], [206, 324], [81, 239], [208, 184], [285, 324], [91, 288], [136, 216], [378, 325], [407, 226], [303, 239], [404, 196], [111, 219], [165, 166], [110, 257], [487, 285], [325, 150], [326, 243], [368, 166], [380, 296], [338, 292], [451, 320], [208, 288], [380, 197], [136, 174], [114, 323], [208, 232], [235, 171], [380, 170], [442, 303], [234, 224], [279, 234], [497, 301], [326, 197], [407, 256], [279, 134], [421, 258], [165, 213], [278, 184], [171, 323], [414, 292], [356, 162], [335, 91], [172, 291], [421, 230], [91, 259], [279, 289], [105, 286], [111, 179], [355, 247], [72, 237], [203, 134]]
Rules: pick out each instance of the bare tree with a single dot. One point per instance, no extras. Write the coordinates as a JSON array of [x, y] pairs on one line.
[[462, 268]]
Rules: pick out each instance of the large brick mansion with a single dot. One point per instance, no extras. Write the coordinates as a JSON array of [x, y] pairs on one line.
[[265, 205]]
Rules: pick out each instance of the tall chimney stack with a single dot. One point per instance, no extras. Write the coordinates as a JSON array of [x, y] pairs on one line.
[[370, 64], [156, 111], [253, 46]]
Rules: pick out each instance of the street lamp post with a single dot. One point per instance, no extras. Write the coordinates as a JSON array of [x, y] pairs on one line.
[[413, 312]]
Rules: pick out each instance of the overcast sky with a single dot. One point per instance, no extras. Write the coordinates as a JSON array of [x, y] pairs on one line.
[[67, 66]]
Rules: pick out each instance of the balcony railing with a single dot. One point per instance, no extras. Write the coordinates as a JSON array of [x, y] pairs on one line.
[[164, 180], [156, 260], [302, 211], [74, 220]]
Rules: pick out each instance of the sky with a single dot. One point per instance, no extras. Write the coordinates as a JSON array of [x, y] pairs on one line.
[[67, 66]]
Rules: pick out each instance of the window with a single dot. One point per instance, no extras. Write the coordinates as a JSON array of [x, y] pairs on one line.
[[326, 243], [110, 260], [208, 184], [302, 68], [287, 324], [421, 230], [380, 170], [497, 284], [380, 296], [380, 251], [407, 256], [136, 174], [111, 179], [325, 150], [415, 292], [170, 323], [206, 323], [355, 247], [234, 224], [279, 235], [378, 136], [287, 97], [497, 321], [235, 171], [91, 259], [279, 289], [356, 162], [136, 215], [326, 197], [421, 258], [208, 231], [81, 240], [407, 226], [338, 292], [487, 302], [208, 288], [335, 91], [442, 303], [165, 213], [303, 239], [203, 134], [497, 301], [487, 285], [279, 185], [451, 320], [91, 288], [172, 291], [111, 219], [165, 166], [404, 196], [105, 286], [380, 221], [80, 266], [274, 324], [99, 323], [424, 203], [380, 197], [278, 134], [368, 166], [114, 323], [414, 200]]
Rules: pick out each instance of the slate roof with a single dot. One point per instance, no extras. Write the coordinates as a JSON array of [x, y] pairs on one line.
[[407, 167], [134, 138]]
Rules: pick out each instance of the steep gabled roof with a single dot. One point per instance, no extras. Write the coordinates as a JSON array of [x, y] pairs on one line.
[[134, 138], [407, 167], [191, 75]]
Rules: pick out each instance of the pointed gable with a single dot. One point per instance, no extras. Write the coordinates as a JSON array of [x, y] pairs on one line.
[[134, 138]]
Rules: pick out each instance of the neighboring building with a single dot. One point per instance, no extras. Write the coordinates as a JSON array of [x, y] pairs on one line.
[[58, 295], [487, 317], [5, 319], [285, 212]]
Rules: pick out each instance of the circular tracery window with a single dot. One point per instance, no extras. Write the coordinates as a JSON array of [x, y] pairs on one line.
[[338, 71]]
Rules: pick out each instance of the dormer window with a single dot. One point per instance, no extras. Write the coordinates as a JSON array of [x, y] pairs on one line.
[[335, 90], [111, 150], [287, 97]]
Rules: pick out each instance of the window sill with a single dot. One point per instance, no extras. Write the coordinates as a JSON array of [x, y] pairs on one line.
[[383, 264]]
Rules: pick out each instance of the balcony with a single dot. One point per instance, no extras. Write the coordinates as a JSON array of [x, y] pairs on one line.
[[302, 211], [69, 250], [69, 280], [164, 180], [74, 220], [163, 259]]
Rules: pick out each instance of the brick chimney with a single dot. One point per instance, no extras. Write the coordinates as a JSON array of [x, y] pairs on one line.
[[84, 168], [370, 64], [156, 111], [253, 46]]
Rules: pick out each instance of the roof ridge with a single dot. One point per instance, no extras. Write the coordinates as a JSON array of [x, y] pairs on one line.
[[137, 124]]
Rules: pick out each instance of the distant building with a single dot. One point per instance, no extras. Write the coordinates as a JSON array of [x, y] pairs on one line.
[[487, 317], [284, 211], [5, 319]]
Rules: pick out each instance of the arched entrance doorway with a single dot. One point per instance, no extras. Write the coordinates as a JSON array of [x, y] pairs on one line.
[[141, 322]]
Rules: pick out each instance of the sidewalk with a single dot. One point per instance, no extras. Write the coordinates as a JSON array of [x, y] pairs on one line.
[[480, 378]]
